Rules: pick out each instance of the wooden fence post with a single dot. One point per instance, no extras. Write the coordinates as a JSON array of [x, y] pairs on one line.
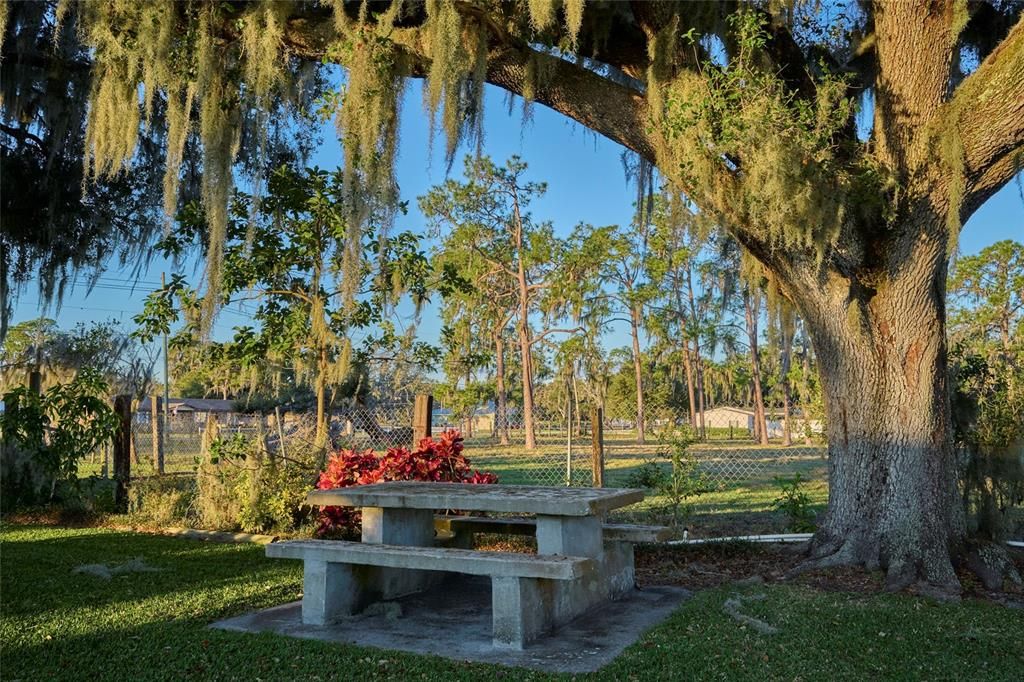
[[157, 428], [422, 412], [597, 446], [122, 450]]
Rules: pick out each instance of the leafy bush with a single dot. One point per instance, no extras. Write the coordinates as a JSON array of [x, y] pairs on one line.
[[56, 429], [433, 460], [987, 396], [683, 481], [796, 503], [161, 501], [649, 475], [242, 486]]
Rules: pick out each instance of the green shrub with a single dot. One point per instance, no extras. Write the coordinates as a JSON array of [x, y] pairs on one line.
[[796, 503], [242, 487], [161, 501], [649, 475], [51, 433], [683, 481]]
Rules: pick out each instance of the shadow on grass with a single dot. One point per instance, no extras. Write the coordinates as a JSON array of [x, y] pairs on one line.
[[182, 567], [154, 626]]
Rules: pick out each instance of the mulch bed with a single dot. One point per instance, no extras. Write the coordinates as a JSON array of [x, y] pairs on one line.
[[711, 565]]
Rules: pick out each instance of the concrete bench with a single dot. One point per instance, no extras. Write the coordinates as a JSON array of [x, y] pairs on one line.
[[618, 532], [530, 594], [341, 578]]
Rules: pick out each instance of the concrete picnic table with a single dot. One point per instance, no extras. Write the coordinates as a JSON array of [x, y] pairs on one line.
[[580, 562]]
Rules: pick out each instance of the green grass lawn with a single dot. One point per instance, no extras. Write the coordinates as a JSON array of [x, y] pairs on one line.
[[56, 624]]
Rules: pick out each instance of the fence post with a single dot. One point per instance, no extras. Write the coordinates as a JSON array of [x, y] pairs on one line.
[[122, 450], [422, 412], [597, 446], [157, 428]]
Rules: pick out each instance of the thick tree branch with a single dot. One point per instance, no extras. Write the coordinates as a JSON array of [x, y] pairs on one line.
[[987, 112], [599, 103], [914, 44]]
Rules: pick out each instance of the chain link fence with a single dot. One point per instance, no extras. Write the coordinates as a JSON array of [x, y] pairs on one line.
[[561, 453], [723, 445]]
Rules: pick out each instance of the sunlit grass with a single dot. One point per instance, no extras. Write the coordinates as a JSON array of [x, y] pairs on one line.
[[59, 625]]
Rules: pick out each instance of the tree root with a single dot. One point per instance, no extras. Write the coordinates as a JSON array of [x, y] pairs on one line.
[[930, 575], [732, 605], [993, 566]]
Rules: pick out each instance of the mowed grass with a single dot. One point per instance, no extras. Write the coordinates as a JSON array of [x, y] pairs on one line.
[[59, 625]]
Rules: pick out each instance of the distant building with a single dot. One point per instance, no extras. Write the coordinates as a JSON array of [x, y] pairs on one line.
[[198, 408], [742, 419], [737, 418]]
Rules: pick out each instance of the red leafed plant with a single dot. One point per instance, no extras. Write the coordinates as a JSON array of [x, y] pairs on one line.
[[433, 460]]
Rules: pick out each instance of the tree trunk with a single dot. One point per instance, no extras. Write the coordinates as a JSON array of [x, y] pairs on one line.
[[893, 500], [688, 361], [500, 418], [321, 399], [806, 366], [638, 374], [576, 405], [750, 307], [468, 431], [524, 349], [699, 363], [696, 352], [785, 361], [525, 343]]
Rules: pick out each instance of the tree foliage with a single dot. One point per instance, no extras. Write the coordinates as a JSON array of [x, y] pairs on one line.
[[288, 259], [61, 426], [59, 354]]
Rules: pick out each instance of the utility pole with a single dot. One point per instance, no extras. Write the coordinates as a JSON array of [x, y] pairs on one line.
[[167, 389]]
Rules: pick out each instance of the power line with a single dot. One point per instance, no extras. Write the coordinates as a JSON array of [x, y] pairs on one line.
[[72, 306]]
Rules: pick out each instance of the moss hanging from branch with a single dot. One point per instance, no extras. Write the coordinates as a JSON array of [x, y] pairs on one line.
[[211, 64], [3, 23], [542, 13], [785, 176], [573, 20]]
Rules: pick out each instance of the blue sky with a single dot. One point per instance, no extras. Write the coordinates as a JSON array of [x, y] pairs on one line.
[[585, 184]]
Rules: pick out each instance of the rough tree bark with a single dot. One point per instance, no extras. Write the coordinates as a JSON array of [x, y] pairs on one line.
[[893, 500]]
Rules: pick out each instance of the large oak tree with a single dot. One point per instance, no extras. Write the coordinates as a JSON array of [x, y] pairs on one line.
[[749, 109]]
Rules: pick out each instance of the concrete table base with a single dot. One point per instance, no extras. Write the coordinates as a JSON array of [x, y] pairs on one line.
[[454, 621]]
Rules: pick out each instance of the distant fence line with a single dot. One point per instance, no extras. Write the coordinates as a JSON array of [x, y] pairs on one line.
[[566, 452]]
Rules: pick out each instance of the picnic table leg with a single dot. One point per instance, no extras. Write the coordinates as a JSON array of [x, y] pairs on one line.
[[384, 525], [581, 536], [570, 536], [330, 591], [410, 527], [521, 610]]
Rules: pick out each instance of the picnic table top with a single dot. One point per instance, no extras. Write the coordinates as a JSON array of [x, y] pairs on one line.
[[522, 499]]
